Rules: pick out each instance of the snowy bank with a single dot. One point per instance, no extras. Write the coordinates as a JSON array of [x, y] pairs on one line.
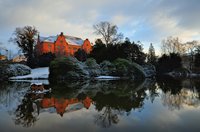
[[8, 70], [37, 73], [107, 77], [43, 81]]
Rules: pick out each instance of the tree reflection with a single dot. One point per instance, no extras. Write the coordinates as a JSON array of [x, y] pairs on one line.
[[179, 93], [153, 91], [196, 83], [24, 113], [185, 97], [110, 106], [107, 117], [169, 84], [110, 98]]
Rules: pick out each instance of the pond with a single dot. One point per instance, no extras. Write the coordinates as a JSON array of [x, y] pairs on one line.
[[113, 106]]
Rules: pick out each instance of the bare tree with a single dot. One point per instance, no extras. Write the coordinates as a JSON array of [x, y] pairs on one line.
[[191, 47], [108, 32], [172, 45]]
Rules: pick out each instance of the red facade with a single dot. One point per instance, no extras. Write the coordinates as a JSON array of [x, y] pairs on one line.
[[62, 45], [61, 104]]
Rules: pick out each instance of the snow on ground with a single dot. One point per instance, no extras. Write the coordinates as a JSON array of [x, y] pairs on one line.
[[43, 81], [107, 77], [37, 73], [43, 73]]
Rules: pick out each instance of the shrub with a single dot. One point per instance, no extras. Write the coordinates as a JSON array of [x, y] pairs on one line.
[[107, 68], [122, 67], [128, 69], [92, 67], [67, 68]]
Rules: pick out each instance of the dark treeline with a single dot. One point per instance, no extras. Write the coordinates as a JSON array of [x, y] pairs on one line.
[[168, 63], [126, 50]]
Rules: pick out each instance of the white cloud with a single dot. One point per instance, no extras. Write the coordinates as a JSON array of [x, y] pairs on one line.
[[148, 21]]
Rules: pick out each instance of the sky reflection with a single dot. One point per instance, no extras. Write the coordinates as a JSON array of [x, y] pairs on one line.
[[156, 111]]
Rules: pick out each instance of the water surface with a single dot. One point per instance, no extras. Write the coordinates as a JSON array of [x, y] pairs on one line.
[[113, 106]]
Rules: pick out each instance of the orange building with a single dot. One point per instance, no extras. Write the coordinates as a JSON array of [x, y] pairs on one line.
[[3, 57], [62, 45]]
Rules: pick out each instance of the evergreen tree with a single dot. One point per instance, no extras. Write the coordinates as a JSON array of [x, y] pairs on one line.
[[168, 63], [99, 51], [126, 50], [151, 57], [81, 55], [45, 59]]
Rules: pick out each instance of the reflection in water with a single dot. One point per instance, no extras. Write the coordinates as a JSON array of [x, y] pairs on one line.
[[11, 94], [63, 105], [170, 84], [24, 113], [179, 93], [107, 117], [34, 104], [109, 102], [184, 97], [109, 97]]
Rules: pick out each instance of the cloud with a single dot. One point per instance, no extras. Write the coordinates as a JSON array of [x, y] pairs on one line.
[[147, 21]]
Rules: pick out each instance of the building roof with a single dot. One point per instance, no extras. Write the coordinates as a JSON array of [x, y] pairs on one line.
[[74, 40], [51, 39], [69, 39]]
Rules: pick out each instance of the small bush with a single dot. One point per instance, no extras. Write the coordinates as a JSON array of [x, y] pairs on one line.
[[128, 69], [92, 67], [122, 67], [67, 68], [107, 68]]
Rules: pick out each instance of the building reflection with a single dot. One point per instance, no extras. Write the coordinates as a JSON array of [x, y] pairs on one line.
[[62, 105], [33, 105], [110, 100]]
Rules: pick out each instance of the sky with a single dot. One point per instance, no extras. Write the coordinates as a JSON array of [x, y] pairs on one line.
[[148, 21]]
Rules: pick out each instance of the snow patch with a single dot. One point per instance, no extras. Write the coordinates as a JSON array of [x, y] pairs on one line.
[[37, 73], [74, 40], [108, 77], [41, 81]]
